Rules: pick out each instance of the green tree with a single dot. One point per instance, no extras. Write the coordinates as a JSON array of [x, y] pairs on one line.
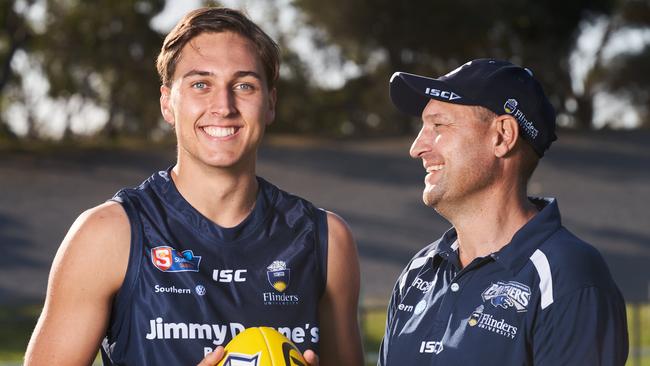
[[104, 51], [431, 37], [15, 35]]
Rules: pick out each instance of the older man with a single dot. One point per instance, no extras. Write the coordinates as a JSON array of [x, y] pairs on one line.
[[507, 284]]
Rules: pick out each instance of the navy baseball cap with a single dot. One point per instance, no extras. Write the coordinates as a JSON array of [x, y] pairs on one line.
[[500, 86]]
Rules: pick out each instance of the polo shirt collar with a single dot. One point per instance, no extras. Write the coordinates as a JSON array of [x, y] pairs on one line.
[[514, 255], [448, 247]]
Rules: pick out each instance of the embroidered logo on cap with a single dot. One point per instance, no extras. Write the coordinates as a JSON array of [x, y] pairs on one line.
[[510, 107], [443, 94]]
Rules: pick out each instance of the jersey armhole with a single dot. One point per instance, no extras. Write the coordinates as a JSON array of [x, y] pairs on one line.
[[322, 245], [124, 295]]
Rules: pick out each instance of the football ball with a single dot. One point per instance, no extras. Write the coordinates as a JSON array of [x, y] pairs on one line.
[[261, 346]]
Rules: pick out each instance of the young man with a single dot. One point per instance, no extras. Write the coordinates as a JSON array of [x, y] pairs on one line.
[[165, 272], [508, 284]]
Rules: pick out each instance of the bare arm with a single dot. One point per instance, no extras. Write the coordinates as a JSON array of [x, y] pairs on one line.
[[340, 342], [87, 271]]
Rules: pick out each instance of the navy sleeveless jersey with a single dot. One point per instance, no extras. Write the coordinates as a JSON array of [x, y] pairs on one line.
[[192, 285]]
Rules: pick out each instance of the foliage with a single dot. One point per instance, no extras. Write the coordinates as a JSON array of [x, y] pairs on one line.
[[105, 51], [433, 37], [15, 35]]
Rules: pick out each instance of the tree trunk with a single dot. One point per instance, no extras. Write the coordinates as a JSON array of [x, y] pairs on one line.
[[585, 111], [396, 64]]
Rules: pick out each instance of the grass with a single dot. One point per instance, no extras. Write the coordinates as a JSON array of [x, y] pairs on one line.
[[640, 326], [17, 323], [16, 326], [373, 321]]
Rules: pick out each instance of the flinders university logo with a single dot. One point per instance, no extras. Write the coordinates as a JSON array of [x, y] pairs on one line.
[[510, 105], [476, 316], [237, 359], [278, 275], [483, 320], [507, 295]]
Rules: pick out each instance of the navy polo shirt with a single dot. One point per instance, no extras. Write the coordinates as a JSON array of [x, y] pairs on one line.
[[546, 298]]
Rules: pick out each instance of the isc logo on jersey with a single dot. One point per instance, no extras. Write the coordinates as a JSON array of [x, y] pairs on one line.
[[434, 347], [168, 259], [229, 275]]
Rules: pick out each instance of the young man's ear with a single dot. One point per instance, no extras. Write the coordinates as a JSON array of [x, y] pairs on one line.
[[270, 114], [507, 133], [165, 104]]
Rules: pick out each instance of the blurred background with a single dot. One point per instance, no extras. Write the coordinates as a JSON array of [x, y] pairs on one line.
[[79, 119]]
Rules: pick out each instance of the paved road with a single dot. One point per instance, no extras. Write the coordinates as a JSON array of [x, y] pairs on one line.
[[601, 181]]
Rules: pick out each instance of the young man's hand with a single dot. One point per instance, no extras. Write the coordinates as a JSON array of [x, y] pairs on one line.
[[212, 358], [311, 357]]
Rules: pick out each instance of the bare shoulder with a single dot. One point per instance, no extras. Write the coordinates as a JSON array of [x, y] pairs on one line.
[[104, 224], [87, 272], [338, 230], [342, 250], [99, 238], [108, 216]]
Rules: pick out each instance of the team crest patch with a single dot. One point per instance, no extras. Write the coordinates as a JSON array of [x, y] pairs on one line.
[[507, 295], [168, 259], [278, 275], [238, 359]]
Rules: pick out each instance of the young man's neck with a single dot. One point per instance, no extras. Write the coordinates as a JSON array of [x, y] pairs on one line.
[[225, 196], [485, 225]]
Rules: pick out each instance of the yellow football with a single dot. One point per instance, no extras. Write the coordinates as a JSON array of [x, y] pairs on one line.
[[261, 346]]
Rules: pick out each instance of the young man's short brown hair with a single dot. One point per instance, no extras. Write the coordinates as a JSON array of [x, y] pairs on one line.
[[216, 20]]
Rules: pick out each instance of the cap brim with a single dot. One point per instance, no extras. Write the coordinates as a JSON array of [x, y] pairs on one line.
[[404, 96], [410, 93]]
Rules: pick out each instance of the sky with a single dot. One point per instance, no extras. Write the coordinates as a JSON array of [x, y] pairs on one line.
[[325, 68]]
